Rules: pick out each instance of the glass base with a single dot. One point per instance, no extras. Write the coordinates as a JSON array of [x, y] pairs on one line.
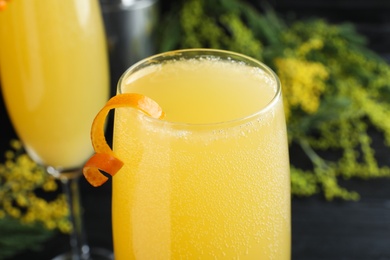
[[94, 254]]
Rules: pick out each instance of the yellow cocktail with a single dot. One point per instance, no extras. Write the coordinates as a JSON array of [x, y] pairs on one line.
[[54, 79], [211, 180], [54, 76]]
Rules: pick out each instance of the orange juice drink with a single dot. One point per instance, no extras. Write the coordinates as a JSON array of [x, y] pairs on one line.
[[53, 80], [211, 180]]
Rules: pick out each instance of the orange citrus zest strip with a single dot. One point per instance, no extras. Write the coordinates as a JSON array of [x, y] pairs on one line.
[[3, 4], [105, 159]]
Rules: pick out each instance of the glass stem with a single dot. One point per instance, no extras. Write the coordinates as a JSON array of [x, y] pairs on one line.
[[79, 246]]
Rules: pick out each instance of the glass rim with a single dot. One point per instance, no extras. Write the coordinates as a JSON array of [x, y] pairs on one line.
[[235, 56]]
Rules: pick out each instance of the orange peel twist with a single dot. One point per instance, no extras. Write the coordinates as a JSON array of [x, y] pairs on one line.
[[3, 4], [104, 158]]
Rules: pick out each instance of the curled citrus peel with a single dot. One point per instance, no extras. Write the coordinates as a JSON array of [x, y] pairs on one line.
[[3, 4], [104, 159]]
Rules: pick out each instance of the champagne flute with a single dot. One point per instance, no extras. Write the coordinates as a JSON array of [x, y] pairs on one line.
[[54, 74]]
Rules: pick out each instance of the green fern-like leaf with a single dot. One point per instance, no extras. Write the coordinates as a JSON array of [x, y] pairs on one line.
[[16, 237]]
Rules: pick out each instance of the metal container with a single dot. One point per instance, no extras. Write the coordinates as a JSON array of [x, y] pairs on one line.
[[131, 32]]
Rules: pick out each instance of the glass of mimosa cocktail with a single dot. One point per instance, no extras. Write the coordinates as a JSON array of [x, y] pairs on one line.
[[54, 75], [210, 180]]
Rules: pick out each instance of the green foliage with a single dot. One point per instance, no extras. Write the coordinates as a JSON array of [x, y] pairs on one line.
[[206, 24], [30, 208], [20, 180], [334, 87], [17, 237]]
